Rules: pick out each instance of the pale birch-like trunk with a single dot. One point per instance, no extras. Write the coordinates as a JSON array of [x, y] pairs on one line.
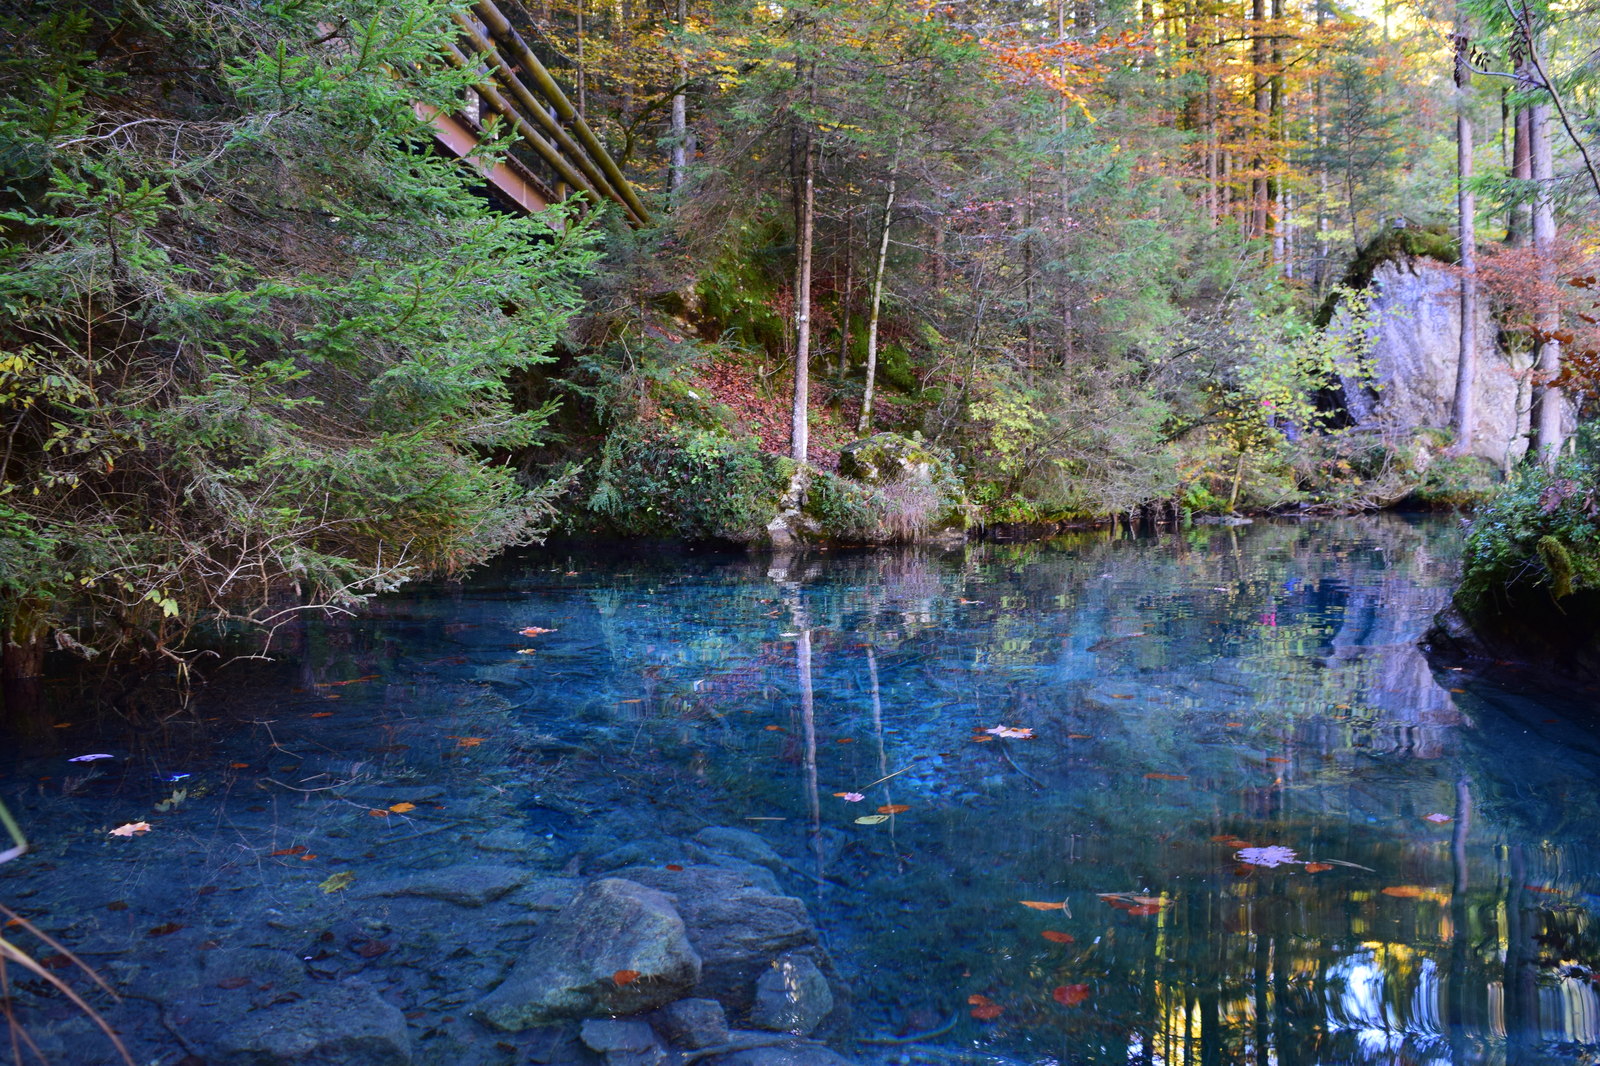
[[864, 425], [1547, 396], [1466, 415]]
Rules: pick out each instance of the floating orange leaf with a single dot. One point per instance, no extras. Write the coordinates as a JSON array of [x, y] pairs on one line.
[[240, 765], [674, 867], [983, 1008], [1412, 892], [1055, 936], [1318, 867], [1278, 758], [625, 977], [1166, 777], [1120, 696], [402, 807], [1079, 736], [1071, 995], [534, 631], [323, 714], [377, 813], [467, 742], [774, 728], [1039, 905], [894, 808], [298, 849]]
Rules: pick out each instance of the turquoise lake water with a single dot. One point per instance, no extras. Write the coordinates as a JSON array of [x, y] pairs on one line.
[[1188, 798]]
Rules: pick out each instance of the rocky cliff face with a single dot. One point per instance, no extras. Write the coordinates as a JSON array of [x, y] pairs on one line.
[[1416, 321]]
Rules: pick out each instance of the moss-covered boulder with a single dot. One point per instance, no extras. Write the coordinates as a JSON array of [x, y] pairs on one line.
[[888, 457]]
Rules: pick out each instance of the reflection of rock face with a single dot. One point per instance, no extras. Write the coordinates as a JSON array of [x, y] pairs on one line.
[[1416, 314], [1378, 641]]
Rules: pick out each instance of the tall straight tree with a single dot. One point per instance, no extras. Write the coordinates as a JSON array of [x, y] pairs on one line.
[[805, 234], [1465, 416], [1548, 399]]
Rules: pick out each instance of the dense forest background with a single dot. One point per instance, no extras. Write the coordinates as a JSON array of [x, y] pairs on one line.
[[263, 348]]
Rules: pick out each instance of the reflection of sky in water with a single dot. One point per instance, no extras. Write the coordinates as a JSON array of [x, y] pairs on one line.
[[1189, 696]]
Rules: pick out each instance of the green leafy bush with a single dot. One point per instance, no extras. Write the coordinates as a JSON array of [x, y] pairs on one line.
[[688, 482], [1541, 532]]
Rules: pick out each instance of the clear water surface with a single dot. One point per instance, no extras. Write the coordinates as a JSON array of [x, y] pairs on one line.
[[1195, 700]]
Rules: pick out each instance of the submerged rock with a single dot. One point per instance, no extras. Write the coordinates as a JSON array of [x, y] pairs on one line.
[[465, 886], [737, 927], [693, 1023], [792, 997], [798, 1053], [618, 948], [346, 1024]]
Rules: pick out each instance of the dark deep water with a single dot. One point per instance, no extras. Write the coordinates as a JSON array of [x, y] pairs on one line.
[[1189, 696]]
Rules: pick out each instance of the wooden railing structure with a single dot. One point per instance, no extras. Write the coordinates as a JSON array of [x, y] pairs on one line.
[[555, 153]]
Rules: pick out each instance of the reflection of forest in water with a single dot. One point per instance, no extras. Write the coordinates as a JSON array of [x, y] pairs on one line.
[[1188, 694], [1261, 685]]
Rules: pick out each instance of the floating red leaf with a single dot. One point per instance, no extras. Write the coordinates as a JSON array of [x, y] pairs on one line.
[[1055, 936], [1071, 995]]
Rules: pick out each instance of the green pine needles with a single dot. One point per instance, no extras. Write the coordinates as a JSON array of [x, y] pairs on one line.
[[254, 331]]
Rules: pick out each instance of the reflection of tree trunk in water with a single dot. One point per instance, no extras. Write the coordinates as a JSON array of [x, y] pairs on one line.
[[22, 648], [1263, 962], [883, 752], [1286, 1052], [1521, 971], [808, 725], [1456, 1020]]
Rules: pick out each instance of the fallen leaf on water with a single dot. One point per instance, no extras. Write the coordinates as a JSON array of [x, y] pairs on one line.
[[402, 807], [377, 813], [1234, 725], [165, 929], [1318, 867], [527, 651], [1278, 758], [1120, 696], [1415, 892], [1166, 777], [130, 828], [982, 739], [338, 882], [1079, 736], [534, 631], [296, 850], [1134, 903], [774, 728], [1009, 733], [1055, 936], [983, 1008], [308, 856], [845, 740], [1040, 905], [234, 982], [872, 819], [894, 808], [1269, 856], [370, 949], [674, 867], [1436, 818], [631, 701], [625, 977], [90, 758], [467, 742], [850, 797], [323, 714], [1071, 995], [1458, 691]]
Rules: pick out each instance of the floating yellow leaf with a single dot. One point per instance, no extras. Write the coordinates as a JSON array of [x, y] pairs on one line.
[[401, 808], [894, 808], [872, 819], [338, 882]]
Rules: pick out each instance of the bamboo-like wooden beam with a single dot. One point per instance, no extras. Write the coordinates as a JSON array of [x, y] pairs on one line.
[[513, 182], [543, 148], [500, 25], [597, 180]]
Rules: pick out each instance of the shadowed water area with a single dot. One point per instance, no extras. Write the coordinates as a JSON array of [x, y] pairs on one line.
[[1194, 798]]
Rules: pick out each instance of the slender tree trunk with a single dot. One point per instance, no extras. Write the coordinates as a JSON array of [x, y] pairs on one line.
[[1547, 397], [680, 108], [1466, 415], [800, 437], [1519, 227], [864, 426], [22, 648], [582, 97], [1263, 120], [844, 297]]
